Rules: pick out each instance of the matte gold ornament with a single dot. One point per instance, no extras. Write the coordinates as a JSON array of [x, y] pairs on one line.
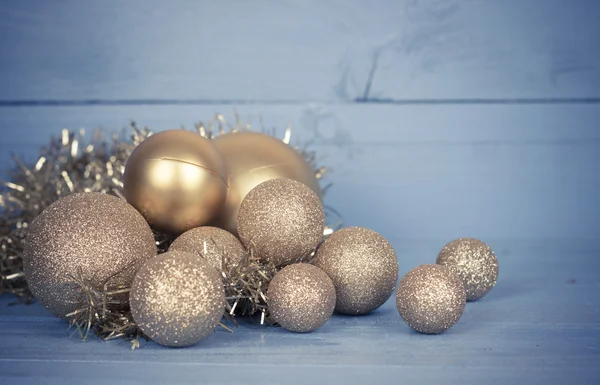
[[475, 263], [177, 299], [431, 298], [363, 267], [87, 238], [282, 220], [253, 158], [301, 297], [177, 179], [216, 245]]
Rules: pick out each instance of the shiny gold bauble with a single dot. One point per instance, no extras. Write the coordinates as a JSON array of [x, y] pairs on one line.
[[282, 220], [90, 238], [253, 158], [177, 180], [219, 247]]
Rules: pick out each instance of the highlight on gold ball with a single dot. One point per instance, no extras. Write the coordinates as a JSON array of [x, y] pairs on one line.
[[177, 179]]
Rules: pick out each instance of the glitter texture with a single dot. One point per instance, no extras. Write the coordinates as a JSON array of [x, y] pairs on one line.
[[177, 299], [216, 245], [92, 237], [475, 263], [301, 297], [363, 267], [253, 158], [430, 298], [282, 220]]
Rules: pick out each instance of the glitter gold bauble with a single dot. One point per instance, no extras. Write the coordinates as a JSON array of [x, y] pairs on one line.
[[219, 247], [93, 238], [475, 263], [363, 267], [253, 158], [177, 179], [281, 220], [301, 297], [431, 298], [177, 299]]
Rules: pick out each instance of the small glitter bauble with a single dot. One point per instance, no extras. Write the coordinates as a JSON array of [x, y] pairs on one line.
[[91, 237], [363, 267], [253, 158], [430, 298], [215, 245], [177, 179], [282, 220], [301, 297], [177, 299], [475, 263]]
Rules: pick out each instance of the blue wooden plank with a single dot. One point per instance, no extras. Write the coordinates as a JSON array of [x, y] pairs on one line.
[[536, 326], [417, 171], [302, 50]]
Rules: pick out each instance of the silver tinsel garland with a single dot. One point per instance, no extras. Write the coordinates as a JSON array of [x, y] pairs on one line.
[[72, 163]]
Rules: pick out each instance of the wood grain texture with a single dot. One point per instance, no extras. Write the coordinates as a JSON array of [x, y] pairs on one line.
[[259, 51], [406, 171], [536, 326]]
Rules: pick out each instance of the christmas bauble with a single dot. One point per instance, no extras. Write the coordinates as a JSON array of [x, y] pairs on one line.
[[363, 267], [301, 297], [92, 238], [177, 299], [430, 298], [475, 263], [253, 158], [219, 247], [282, 220], [177, 179]]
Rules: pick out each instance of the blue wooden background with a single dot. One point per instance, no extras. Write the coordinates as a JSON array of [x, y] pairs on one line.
[[439, 118]]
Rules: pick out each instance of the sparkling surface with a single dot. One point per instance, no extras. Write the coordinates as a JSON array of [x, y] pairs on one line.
[[213, 244], [282, 220], [301, 297], [363, 267], [177, 299], [88, 236], [430, 298], [253, 158], [475, 263]]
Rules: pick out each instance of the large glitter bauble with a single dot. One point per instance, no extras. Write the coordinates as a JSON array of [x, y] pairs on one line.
[[177, 179], [219, 247], [253, 158], [475, 263], [363, 267], [431, 298], [92, 238], [301, 297], [281, 220], [177, 299]]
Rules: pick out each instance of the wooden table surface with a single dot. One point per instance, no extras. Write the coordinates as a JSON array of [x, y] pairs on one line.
[[439, 120]]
